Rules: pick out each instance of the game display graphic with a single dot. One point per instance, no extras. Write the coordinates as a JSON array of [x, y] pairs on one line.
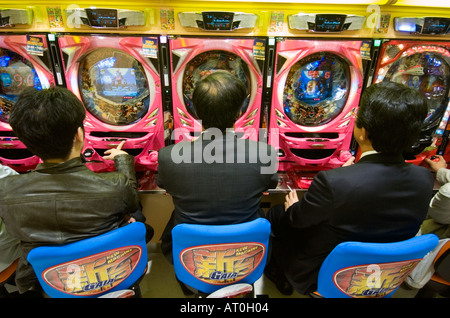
[[114, 87], [207, 63], [222, 264], [373, 281], [425, 67], [95, 274], [16, 73], [427, 72], [316, 89]]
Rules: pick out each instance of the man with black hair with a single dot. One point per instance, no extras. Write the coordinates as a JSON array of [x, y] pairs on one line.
[[218, 178], [62, 201], [379, 199]]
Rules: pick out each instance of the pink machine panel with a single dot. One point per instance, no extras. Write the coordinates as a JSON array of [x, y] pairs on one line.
[[317, 87], [424, 66], [120, 88], [194, 58], [24, 61]]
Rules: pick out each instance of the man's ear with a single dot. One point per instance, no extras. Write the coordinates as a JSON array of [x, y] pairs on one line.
[[364, 134], [360, 134], [79, 136]]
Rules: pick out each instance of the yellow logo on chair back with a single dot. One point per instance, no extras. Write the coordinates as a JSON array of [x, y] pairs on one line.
[[221, 264], [373, 281], [94, 274]]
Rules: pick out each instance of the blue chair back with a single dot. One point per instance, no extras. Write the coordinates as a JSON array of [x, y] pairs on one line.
[[209, 257], [94, 266], [375, 270]]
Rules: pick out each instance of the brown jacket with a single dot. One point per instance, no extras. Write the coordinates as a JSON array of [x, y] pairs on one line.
[[66, 202]]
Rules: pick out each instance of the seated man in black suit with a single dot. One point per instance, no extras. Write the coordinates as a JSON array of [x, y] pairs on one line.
[[218, 178], [379, 199]]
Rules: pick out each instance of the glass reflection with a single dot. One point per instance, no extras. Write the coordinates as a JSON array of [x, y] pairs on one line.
[[16, 73], [208, 62], [114, 86]]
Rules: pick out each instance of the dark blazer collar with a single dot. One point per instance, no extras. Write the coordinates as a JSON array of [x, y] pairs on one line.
[[383, 158]]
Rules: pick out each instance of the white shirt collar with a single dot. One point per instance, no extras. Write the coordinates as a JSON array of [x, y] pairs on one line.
[[370, 152]]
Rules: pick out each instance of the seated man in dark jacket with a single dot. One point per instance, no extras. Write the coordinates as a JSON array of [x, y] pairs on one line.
[[379, 199], [61, 201], [218, 178]]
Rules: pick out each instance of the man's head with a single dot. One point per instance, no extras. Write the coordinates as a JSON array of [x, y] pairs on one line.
[[392, 116], [218, 99], [47, 121]]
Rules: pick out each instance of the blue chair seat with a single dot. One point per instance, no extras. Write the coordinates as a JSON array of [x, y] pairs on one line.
[[362, 270], [210, 257]]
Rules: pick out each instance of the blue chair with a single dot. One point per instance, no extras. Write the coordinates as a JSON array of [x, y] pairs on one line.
[[371, 270], [209, 257], [93, 267]]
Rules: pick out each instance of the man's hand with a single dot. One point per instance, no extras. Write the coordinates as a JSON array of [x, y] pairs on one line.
[[436, 165], [291, 198], [111, 153], [349, 162]]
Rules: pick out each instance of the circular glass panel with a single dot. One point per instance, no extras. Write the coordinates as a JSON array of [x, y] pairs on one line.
[[428, 73], [316, 89], [113, 86], [208, 62], [16, 73]]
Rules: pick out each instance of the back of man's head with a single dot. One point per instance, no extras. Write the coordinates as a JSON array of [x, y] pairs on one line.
[[46, 121], [393, 115], [218, 99]]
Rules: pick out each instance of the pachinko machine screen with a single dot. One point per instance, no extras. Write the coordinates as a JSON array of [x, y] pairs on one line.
[[16, 73], [207, 63], [316, 89], [114, 87], [428, 73]]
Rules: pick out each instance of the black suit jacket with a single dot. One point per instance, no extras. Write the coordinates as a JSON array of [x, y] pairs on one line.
[[379, 199], [218, 181]]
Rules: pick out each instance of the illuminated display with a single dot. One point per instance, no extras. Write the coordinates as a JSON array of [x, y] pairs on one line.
[[102, 18], [16, 73], [113, 86], [329, 22], [218, 20], [407, 27], [435, 25], [117, 81], [316, 89], [426, 71], [313, 86], [427, 25]]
